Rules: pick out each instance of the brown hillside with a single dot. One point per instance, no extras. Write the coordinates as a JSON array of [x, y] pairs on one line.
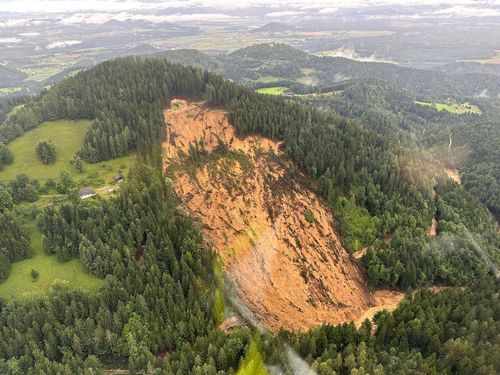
[[276, 239]]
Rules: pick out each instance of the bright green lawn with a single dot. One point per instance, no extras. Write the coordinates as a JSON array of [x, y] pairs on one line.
[[455, 108], [19, 282], [68, 138], [9, 90], [278, 90]]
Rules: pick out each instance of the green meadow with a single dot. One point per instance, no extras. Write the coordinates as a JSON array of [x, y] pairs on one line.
[[455, 108], [278, 90], [67, 136], [19, 283], [10, 90]]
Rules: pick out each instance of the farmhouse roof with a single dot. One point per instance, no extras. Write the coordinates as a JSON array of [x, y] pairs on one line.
[[86, 191]]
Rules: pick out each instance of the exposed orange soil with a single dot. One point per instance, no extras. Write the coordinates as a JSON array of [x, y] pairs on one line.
[[454, 174], [289, 270], [433, 228], [360, 253], [384, 300]]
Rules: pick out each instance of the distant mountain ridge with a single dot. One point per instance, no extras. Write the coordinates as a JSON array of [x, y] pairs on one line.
[[10, 76], [284, 62]]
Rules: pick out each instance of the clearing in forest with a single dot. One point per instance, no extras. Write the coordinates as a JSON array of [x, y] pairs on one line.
[[67, 136], [20, 283], [278, 90], [276, 239], [455, 108]]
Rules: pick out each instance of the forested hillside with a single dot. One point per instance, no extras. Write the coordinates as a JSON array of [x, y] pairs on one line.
[[10, 76], [124, 99], [254, 64], [393, 113], [161, 301]]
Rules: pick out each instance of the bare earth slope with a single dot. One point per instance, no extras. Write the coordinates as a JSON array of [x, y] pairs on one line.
[[276, 239]]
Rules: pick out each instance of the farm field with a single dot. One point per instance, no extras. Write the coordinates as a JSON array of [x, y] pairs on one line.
[[40, 74], [19, 282], [278, 90], [458, 109], [68, 138]]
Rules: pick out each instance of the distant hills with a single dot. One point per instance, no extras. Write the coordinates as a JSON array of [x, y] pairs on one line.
[[273, 27], [280, 64], [274, 62], [10, 76]]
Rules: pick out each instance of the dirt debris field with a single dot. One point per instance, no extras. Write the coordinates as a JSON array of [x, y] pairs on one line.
[[454, 174], [276, 239]]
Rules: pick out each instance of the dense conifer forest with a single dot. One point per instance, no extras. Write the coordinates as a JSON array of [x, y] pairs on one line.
[[155, 310]]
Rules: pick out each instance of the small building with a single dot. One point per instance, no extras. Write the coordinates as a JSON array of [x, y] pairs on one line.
[[86, 193], [288, 93], [117, 178]]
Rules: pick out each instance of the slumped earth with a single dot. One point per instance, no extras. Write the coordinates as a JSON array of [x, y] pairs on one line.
[[276, 239]]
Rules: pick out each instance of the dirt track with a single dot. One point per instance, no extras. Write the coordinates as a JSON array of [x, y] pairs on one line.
[[276, 239]]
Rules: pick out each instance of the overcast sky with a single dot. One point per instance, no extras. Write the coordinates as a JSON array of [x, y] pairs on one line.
[[25, 13], [55, 6]]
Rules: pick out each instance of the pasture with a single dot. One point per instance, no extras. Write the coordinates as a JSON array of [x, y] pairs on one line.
[[278, 90], [455, 108], [9, 90], [19, 283], [68, 136]]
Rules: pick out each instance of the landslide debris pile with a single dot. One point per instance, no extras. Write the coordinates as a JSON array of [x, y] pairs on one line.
[[276, 239]]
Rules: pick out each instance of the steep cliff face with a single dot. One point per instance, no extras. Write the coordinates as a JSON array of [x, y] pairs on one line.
[[277, 240]]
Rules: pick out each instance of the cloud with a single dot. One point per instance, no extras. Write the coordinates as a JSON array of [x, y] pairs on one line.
[[285, 13], [63, 44], [328, 10], [467, 11], [100, 18], [16, 22], [29, 34], [55, 6], [220, 10], [10, 40], [349, 53]]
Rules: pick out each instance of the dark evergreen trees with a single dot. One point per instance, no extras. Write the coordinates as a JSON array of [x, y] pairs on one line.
[[5, 156], [46, 151]]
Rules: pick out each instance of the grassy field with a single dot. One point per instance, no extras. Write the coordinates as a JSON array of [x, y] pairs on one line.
[[68, 138], [278, 90], [41, 73], [19, 282], [455, 108], [9, 90]]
